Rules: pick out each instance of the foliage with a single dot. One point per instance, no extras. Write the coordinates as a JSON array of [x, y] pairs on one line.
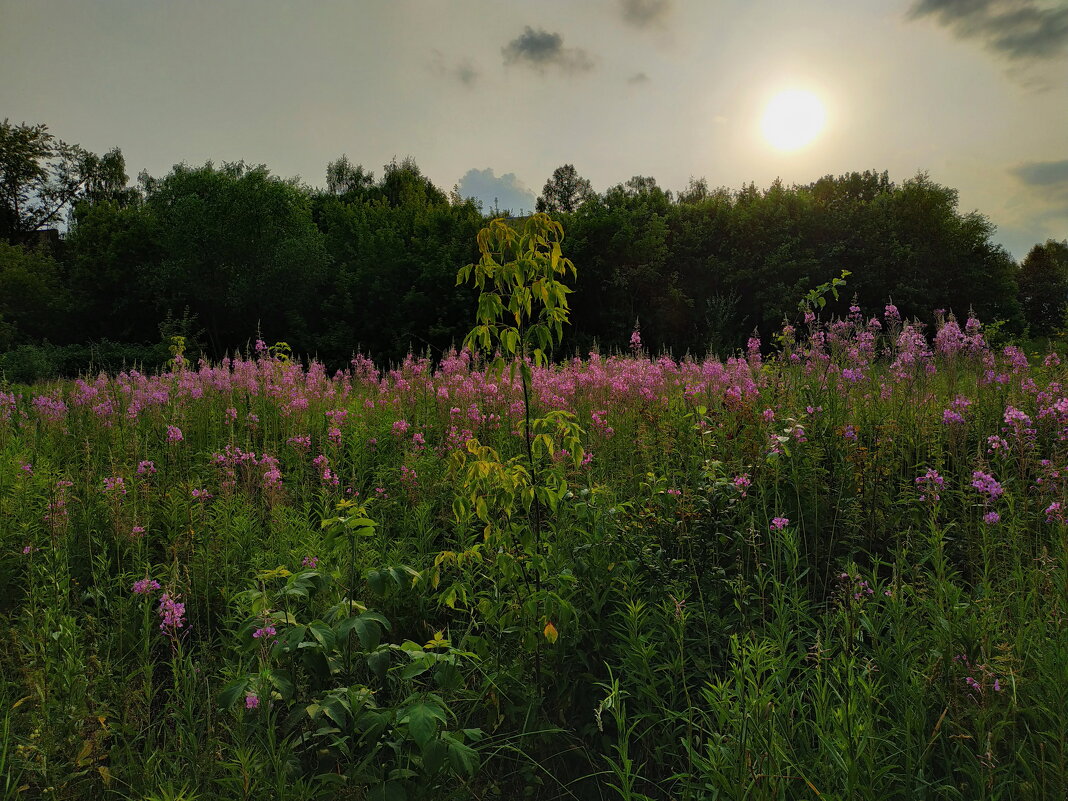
[[831, 569], [565, 191], [1044, 287], [365, 263], [41, 177], [239, 249], [33, 300]]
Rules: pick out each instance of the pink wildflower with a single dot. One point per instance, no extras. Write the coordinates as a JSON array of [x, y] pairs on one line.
[[145, 586], [172, 614]]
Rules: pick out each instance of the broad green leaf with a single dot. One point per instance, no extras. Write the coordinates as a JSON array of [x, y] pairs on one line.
[[463, 758], [369, 632], [423, 723], [233, 692], [415, 669], [434, 754], [378, 661], [282, 683]]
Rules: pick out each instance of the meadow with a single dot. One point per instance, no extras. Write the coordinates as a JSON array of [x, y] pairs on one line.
[[832, 566]]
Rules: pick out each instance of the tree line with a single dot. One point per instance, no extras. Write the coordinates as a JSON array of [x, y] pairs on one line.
[[223, 254]]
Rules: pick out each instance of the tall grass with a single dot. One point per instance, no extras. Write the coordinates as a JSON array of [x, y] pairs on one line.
[[837, 572]]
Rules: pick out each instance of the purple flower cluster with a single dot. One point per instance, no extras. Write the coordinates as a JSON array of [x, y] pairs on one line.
[[145, 586], [931, 483], [172, 614], [1054, 513], [987, 485], [115, 485], [950, 417]]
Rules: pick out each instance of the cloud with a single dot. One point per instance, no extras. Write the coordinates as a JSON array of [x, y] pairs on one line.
[[462, 70], [505, 192], [638, 77], [1043, 173], [643, 13], [1047, 182], [1020, 30], [539, 49]]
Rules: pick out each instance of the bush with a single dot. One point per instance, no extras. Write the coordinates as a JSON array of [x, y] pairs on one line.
[[28, 364]]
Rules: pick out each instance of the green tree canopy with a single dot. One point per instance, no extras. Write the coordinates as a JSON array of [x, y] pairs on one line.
[[33, 299], [42, 178], [239, 248], [565, 191], [1044, 286]]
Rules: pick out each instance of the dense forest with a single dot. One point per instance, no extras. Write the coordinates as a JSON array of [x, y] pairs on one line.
[[223, 254]]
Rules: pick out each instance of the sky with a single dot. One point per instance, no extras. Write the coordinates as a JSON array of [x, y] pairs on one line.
[[493, 95]]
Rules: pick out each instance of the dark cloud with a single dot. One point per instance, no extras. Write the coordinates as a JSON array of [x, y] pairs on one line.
[[638, 77], [540, 49], [1048, 183], [1043, 173], [506, 192], [1017, 29], [462, 70], [643, 13]]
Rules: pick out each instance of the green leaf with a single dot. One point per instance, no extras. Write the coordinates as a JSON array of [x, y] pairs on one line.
[[379, 618], [282, 683], [423, 722], [417, 668], [369, 633], [323, 633], [233, 692], [376, 580], [334, 708], [463, 758], [291, 639], [378, 662], [434, 754]]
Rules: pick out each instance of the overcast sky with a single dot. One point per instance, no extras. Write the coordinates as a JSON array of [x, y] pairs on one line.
[[495, 94]]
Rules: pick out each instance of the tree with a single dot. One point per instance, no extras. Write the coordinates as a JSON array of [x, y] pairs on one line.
[[343, 179], [565, 191], [239, 248], [112, 257], [42, 177], [391, 267], [1044, 286], [403, 184], [34, 303]]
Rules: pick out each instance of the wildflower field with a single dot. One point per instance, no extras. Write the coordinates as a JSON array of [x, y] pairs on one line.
[[835, 570]]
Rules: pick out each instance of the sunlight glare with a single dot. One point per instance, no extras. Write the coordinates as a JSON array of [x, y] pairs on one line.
[[793, 119]]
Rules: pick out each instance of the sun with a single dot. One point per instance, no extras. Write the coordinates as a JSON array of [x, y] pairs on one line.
[[793, 119]]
